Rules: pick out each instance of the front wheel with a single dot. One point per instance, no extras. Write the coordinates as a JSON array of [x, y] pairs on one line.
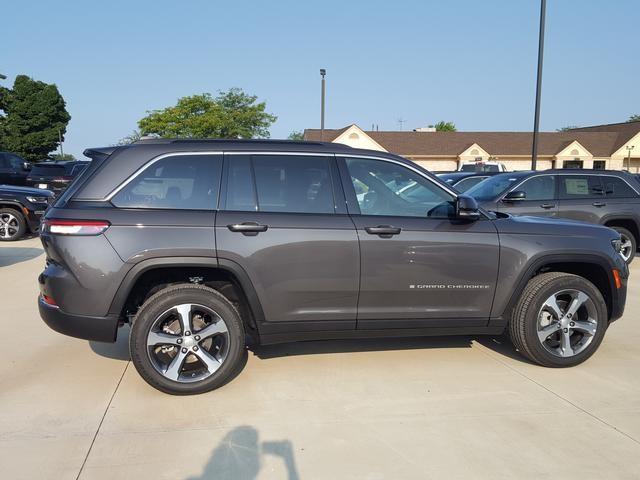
[[559, 321], [12, 225], [186, 339], [629, 244]]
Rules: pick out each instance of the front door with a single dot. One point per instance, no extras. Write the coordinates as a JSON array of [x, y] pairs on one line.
[[540, 198], [421, 267], [284, 222]]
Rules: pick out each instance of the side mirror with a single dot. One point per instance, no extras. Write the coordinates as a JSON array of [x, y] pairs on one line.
[[26, 166], [515, 196], [467, 208]]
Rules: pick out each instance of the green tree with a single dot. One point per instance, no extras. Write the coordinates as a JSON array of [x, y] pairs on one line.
[[443, 126], [34, 116], [232, 114], [58, 157], [131, 138], [296, 135], [634, 118], [566, 129]]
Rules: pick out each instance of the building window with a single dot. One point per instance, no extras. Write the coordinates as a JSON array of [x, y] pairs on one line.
[[575, 152], [599, 164], [572, 163], [354, 136], [475, 152]]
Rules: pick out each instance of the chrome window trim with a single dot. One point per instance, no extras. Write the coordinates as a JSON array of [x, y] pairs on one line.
[[566, 174]]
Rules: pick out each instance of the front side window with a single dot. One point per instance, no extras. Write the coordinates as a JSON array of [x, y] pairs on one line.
[[493, 187], [580, 186], [16, 162], [182, 182], [466, 183], [385, 188], [617, 188], [539, 188]]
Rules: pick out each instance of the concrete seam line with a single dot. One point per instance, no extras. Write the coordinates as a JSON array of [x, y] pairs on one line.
[[84, 462], [487, 352]]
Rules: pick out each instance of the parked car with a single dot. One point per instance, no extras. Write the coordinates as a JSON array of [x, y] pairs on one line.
[[605, 197], [205, 246], [482, 167], [463, 181], [55, 176], [21, 209], [13, 169]]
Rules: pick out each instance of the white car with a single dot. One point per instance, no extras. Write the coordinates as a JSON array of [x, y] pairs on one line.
[[482, 167]]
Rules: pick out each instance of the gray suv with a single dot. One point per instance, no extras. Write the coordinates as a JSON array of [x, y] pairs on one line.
[[605, 197], [205, 247]]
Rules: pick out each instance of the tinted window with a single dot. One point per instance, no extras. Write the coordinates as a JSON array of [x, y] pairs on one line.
[[385, 188], [580, 186], [492, 187], [45, 170], [187, 182], [539, 188], [240, 189], [4, 162], [617, 188], [466, 183], [296, 184], [16, 162]]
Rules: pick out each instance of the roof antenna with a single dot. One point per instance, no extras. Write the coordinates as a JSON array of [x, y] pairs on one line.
[[401, 121]]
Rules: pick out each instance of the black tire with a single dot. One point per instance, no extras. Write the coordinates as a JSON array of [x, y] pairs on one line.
[[163, 301], [624, 233], [20, 225], [523, 325]]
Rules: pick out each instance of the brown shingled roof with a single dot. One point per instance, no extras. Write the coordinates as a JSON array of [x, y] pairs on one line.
[[599, 143], [624, 131]]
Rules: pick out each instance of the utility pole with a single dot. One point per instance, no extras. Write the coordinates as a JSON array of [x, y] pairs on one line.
[[536, 121], [60, 141], [323, 72], [629, 148], [401, 121]]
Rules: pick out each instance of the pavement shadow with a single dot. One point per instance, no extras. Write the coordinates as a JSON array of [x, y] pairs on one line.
[[116, 351], [239, 456], [360, 345], [12, 255], [502, 345]]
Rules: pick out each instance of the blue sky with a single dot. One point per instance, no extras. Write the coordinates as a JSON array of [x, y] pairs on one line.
[[471, 62]]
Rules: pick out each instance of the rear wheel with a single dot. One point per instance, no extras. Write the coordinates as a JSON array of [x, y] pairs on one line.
[[186, 339], [629, 244], [12, 225], [559, 321]]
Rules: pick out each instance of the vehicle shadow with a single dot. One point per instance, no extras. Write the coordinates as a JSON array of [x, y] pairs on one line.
[[360, 345], [239, 456], [502, 345], [13, 255]]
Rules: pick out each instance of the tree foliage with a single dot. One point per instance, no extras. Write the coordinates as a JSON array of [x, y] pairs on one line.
[[567, 128], [296, 135], [443, 126], [131, 138], [65, 156], [232, 114], [634, 118], [34, 116]]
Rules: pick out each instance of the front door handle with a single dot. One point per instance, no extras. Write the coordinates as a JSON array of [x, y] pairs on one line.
[[599, 204], [548, 205], [385, 231], [248, 228]]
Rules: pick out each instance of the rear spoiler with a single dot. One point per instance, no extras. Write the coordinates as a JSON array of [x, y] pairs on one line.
[[99, 153]]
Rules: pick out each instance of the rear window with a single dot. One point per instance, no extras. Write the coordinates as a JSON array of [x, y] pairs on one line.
[[48, 170], [617, 188]]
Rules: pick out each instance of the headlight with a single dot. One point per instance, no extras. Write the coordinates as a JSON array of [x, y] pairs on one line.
[[617, 245], [37, 199]]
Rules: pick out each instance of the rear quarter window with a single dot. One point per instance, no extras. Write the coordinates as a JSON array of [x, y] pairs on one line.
[[615, 187]]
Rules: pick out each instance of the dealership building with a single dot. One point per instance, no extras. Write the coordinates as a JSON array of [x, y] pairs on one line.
[[614, 146]]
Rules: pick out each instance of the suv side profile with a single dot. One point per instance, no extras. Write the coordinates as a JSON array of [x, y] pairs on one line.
[[605, 197], [205, 247], [13, 169], [21, 209]]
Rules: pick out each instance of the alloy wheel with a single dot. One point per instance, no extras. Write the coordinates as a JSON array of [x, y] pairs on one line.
[[188, 343], [626, 249], [567, 323], [9, 225]]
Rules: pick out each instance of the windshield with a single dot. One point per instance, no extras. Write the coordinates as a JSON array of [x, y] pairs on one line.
[[492, 187]]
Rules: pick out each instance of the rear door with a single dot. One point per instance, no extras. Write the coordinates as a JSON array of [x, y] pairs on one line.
[[284, 222], [540, 197], [581, 197]]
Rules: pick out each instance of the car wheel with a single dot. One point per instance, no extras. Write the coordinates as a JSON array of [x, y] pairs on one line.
[[629, 244], [12, 225], [186, 339], [559, 321]]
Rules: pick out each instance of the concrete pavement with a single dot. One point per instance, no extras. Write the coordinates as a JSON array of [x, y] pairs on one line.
[[453, 407]]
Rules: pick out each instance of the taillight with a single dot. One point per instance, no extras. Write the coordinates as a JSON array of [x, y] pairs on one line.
[[75, 227], [49, 300]]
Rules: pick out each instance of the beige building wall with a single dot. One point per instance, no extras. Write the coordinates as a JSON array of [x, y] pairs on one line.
[[437, 165]]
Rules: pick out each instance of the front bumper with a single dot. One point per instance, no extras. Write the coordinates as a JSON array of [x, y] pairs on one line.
[[101, 329]]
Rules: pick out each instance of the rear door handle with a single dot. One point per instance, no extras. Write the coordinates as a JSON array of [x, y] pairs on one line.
[[548, 205], [383, 230], [248, 228], [599, 204]]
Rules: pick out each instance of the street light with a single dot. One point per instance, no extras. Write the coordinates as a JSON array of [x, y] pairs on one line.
[[536, 120], [323, 72], [629, 148]]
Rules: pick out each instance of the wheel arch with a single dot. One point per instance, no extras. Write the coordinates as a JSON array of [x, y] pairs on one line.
[[628, 222]]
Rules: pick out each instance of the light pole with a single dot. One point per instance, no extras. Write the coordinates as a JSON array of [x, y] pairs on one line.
[[60, 142], [536, 120], [629, 148], [323, 72]]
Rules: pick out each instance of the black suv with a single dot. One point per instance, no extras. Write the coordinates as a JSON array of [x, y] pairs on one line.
[[55, 176], [207, 246], [605, 197], [21, 209], [13, 169]]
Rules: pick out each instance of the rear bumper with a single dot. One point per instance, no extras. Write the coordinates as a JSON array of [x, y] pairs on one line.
[[101, 329]]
